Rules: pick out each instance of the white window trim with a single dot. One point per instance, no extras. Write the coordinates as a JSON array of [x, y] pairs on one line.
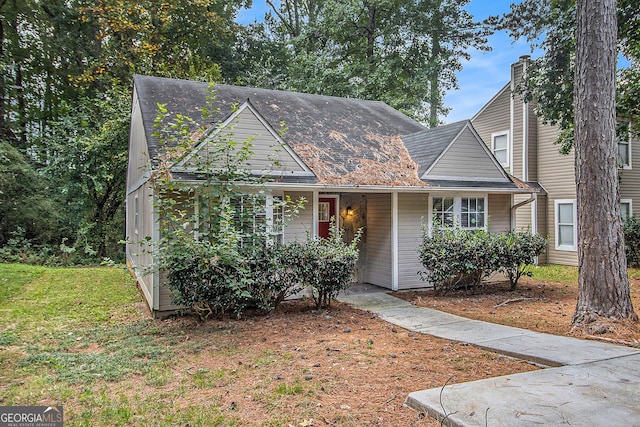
[[560, 247], [629, 165], [457, 209], [508, 148], [136, 215], [630, 203]]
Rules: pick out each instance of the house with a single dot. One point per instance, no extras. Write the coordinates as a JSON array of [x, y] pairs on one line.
[[360, 162], [525, 147]]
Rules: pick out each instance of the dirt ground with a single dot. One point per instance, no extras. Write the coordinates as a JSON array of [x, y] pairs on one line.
[[536, 305], [303, 367]]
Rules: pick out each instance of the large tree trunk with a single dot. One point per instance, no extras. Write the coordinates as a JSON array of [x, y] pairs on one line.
[[603, 282]]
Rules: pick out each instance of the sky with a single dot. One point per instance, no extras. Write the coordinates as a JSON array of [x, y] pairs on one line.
[[481, 77]]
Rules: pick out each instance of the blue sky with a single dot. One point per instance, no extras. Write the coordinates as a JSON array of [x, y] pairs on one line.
[[481, 77]]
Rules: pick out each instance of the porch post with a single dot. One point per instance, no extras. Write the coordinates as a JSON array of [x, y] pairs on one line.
[[316, 200], [394, 241]]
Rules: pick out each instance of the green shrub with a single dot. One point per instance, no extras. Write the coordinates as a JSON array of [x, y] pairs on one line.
[[327, 266], [274, 270], [455, 258], [632, 241], [516, 253], [209, 278]]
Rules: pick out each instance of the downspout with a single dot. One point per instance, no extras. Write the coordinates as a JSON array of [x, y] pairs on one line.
[[525, 125], [533, 198]]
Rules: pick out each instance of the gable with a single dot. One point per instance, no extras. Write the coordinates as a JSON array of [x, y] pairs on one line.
[[466, 157], [270, 154]]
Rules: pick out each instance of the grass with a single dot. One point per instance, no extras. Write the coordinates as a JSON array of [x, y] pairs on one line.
[[77, 337]]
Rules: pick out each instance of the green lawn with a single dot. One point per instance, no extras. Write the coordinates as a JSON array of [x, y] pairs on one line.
[[79, 337]]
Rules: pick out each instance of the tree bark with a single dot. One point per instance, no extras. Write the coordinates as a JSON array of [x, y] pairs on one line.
[[603, 282]]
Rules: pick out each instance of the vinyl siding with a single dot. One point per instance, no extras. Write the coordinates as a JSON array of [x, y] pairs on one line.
[[268, 154], [517, 125], [494, 118], [466, 151], [412, 211], [378, 244], [138, 252], [533, 143], [523, 213], [556, 174], [499, 213], [630, 178], [139, 163], [301, 226], [543, 225]]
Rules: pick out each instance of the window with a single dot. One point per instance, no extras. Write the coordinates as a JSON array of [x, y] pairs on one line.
[[443, 211], [323, 211], [472, 212], [258, 215], [626, 211], [464, 212], [500, 147], [566, 225], [624, 154], [136, 214]]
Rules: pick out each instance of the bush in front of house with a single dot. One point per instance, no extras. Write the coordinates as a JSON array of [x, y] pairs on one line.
[[516, 253], [327, 266], [211, 279], [458, 258], [217, 279], [455, 258], [632, 241]]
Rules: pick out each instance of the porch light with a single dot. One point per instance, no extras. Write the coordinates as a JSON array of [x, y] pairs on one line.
[[349, 211]]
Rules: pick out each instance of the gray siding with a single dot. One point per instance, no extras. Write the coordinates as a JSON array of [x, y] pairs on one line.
[[139, 162], [499, 213], [139, 255], [378, 244], [300, 226], [268, 154], [556, 174], [412, 211], [517, 124], [466, 151], [630, 178], [140, 224], [494, 117]]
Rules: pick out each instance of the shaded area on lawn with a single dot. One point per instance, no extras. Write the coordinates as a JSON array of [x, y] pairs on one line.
[[83, 339]]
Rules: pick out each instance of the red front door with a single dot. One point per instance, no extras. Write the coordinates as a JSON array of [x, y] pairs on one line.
[[326, 213]]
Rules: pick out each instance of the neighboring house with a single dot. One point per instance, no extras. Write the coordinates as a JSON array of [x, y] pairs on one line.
[[525, 148], [361, 162]]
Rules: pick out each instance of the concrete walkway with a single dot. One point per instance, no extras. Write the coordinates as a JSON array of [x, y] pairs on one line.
[[589, 383]]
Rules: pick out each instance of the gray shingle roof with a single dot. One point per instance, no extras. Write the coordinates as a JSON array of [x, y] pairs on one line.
[[343, 140], [427, 145]]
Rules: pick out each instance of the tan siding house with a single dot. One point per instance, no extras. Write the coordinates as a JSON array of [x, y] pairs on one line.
[[383, 172], [535, 158]]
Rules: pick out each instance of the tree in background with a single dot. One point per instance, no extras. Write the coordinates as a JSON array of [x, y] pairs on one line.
[[402, 52], [580, 99], [550, 25], [603, 282]]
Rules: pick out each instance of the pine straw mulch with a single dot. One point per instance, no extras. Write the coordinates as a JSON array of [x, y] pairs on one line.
[[536, 305], [301, 366]]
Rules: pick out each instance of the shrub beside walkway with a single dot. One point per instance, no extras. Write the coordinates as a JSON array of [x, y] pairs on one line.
[[590, 383]]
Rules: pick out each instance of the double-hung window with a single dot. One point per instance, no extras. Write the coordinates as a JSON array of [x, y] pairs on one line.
[[566, 225], [500, 147], [459, 211], [624, 153], [626, 210], [259, 216]]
